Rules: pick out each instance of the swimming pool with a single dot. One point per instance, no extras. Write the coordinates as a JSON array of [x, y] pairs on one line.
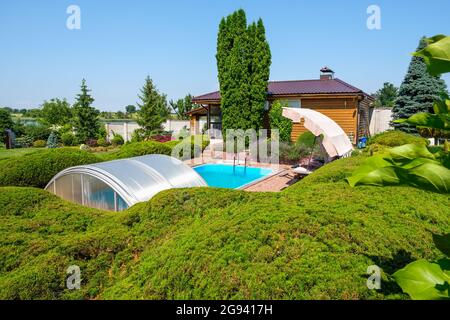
[[224, 176]]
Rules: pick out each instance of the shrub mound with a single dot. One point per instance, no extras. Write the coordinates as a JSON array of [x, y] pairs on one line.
[[395, 138], [313, 241], [136, 149], [37, 168]]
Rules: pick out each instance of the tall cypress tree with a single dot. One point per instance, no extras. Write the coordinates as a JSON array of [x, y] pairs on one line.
[[85, 117], [260, 70], [418, 92], [153, 109], [243, 63]]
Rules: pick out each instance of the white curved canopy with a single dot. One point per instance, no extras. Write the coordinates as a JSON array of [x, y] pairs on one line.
[[335, 140], [118, 184]]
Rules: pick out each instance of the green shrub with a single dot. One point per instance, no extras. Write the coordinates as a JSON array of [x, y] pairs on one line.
[[40, 144], [135, 149], [101, 142], [24, 142], [396, 138], [203, 138], [277, 121], [138, 135], [117, 140], [36, 169], [184, 149], [306, 139], [68, 139], [292, 152], [37, 131]]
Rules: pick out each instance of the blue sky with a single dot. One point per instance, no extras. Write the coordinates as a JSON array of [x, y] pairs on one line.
[[174, 42]]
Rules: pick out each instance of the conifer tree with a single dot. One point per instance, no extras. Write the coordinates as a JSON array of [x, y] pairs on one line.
[[417, 93], [153, 109], [260, 67], [85, 117], [243, 63]]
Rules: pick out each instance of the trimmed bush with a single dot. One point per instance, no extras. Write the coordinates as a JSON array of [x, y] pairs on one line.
[[396, 138], [36, 169], [40, 144], [136, 149]]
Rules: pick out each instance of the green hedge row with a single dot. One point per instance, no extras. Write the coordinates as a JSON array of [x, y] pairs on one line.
[[36, 169], [136, 149]]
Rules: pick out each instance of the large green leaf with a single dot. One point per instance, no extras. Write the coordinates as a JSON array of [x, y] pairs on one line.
[[408, 164], [409, 152], [442, 243], [376, 177], [430, 175], [428, 120], [436, 55], [423, 280], [375, 170]]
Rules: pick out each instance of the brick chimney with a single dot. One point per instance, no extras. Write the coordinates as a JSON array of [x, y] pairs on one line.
[[326, 73]]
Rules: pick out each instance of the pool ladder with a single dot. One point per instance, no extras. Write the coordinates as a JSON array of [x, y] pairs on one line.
[[234, 162]]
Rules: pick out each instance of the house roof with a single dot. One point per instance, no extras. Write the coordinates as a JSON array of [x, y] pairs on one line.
[[327, 86]]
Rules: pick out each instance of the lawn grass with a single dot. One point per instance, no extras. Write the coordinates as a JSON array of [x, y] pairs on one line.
[[314, 240], [9, 153]]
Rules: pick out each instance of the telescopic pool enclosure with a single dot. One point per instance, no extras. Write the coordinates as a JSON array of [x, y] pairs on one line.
[[119, 184]]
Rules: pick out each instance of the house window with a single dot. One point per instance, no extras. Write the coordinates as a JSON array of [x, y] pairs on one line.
[[292, 103]]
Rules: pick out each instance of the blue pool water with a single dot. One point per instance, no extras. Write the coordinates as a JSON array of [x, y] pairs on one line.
[[223, 175]]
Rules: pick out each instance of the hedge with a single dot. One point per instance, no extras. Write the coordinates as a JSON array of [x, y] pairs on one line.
[[314, 240], [36, 169], [396, 138], [135, 149]]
